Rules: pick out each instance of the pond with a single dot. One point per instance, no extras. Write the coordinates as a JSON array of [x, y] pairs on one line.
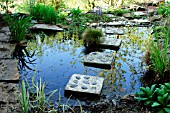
[[57, 57]]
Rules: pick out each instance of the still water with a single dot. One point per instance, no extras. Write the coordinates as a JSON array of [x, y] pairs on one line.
[[55, 58]]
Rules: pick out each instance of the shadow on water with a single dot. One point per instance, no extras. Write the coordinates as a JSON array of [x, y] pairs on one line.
[[58, 57]]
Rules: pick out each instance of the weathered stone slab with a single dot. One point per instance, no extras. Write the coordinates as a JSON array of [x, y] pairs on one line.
[[141, 21], [111, 42], [9, 70], [117, 31], [99, 59], [85, 85], [5, 34], [8, 100], [6, 50], [46, 27], [140, 13], [116, 23]]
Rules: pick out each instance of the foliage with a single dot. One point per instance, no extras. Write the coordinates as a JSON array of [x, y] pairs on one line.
[[75, 13], [18, 26], [92, 36], [118, 12], [156, 98], [158, 54], [6, 4], [24, 99], [164, 10]]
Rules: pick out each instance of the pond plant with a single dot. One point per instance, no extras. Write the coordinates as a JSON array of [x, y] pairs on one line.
[[157, 98], [18, 26], [92, 37]]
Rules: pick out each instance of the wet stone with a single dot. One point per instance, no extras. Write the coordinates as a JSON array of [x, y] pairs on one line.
[[104, 59], [9, 70], [111, 42], [85, 85], [6, 50], [46, 27]]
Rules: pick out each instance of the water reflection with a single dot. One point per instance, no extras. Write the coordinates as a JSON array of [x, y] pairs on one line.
[[60, 56]]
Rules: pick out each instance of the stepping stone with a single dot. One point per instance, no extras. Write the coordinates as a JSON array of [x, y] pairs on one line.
[[111, 42], [114, 31], [6, 50], [139, 13], [100, 59], [9, 71], [84, 85], [116, 23], [141, 21], [46, 27]]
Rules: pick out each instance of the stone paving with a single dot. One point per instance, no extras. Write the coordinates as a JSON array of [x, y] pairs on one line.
[[9, 76]]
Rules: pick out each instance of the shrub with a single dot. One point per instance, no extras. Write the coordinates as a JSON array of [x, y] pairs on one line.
[[92, 37], [164, 10], [18, 26], [156, 98]]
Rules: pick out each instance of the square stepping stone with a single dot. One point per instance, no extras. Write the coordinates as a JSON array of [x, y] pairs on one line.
[[46, 27], [117, 31], [100, 59], [84, 85], [111, 42], [9, 71], [116, 23]]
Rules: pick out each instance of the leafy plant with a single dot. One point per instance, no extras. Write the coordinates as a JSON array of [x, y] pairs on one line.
[[92, 36], [6, 4], [24, 99], [119, 12], [164, 10], [158, 55], [18, 26], [75, 13], [156, 98]]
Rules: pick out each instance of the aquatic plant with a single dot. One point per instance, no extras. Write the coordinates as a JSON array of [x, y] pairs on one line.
[[156, 98], [160, 61], [18, 26], [92, 37], [24, 99]]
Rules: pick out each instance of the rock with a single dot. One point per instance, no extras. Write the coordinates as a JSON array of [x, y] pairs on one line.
[[155, 18], [6, 50], [111, 42], [8, 100], [5, 34], [140, 13], [46, 27], [127, 15], [116, 23], [9, 70], [99, 59], [93, 24], [117, 31], [84, 86]]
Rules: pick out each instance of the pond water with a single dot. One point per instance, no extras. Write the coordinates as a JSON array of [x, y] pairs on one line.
[[59, 56]]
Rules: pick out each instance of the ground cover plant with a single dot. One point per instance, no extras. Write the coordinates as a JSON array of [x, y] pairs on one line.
[[155, 97]]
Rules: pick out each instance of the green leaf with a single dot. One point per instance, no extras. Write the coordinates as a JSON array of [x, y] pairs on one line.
[[161, 111], [160, 99], [167, 110], [155, 104]]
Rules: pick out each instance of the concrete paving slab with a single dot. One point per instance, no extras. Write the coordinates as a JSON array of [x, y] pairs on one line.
[[100, 59], [6, 50], [46, 27], [85, 85], [9, 70], [111, 42]]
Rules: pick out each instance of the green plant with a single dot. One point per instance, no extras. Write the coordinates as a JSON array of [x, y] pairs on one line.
[[118, 12], [92, 36], [24, 99], [18, 26], [164, 10], [158, 55], [6, 4], [156, 98], [75, 13]]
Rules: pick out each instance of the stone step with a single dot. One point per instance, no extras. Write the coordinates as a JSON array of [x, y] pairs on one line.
[[100, 59], [111, 43], [6, 50], [117, 31], [46, 27], [84, 86], [8, 99], [9, 70]]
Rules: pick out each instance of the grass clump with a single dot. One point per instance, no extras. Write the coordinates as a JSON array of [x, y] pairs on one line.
[[92, 37], [118, 12], [18, 26]]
